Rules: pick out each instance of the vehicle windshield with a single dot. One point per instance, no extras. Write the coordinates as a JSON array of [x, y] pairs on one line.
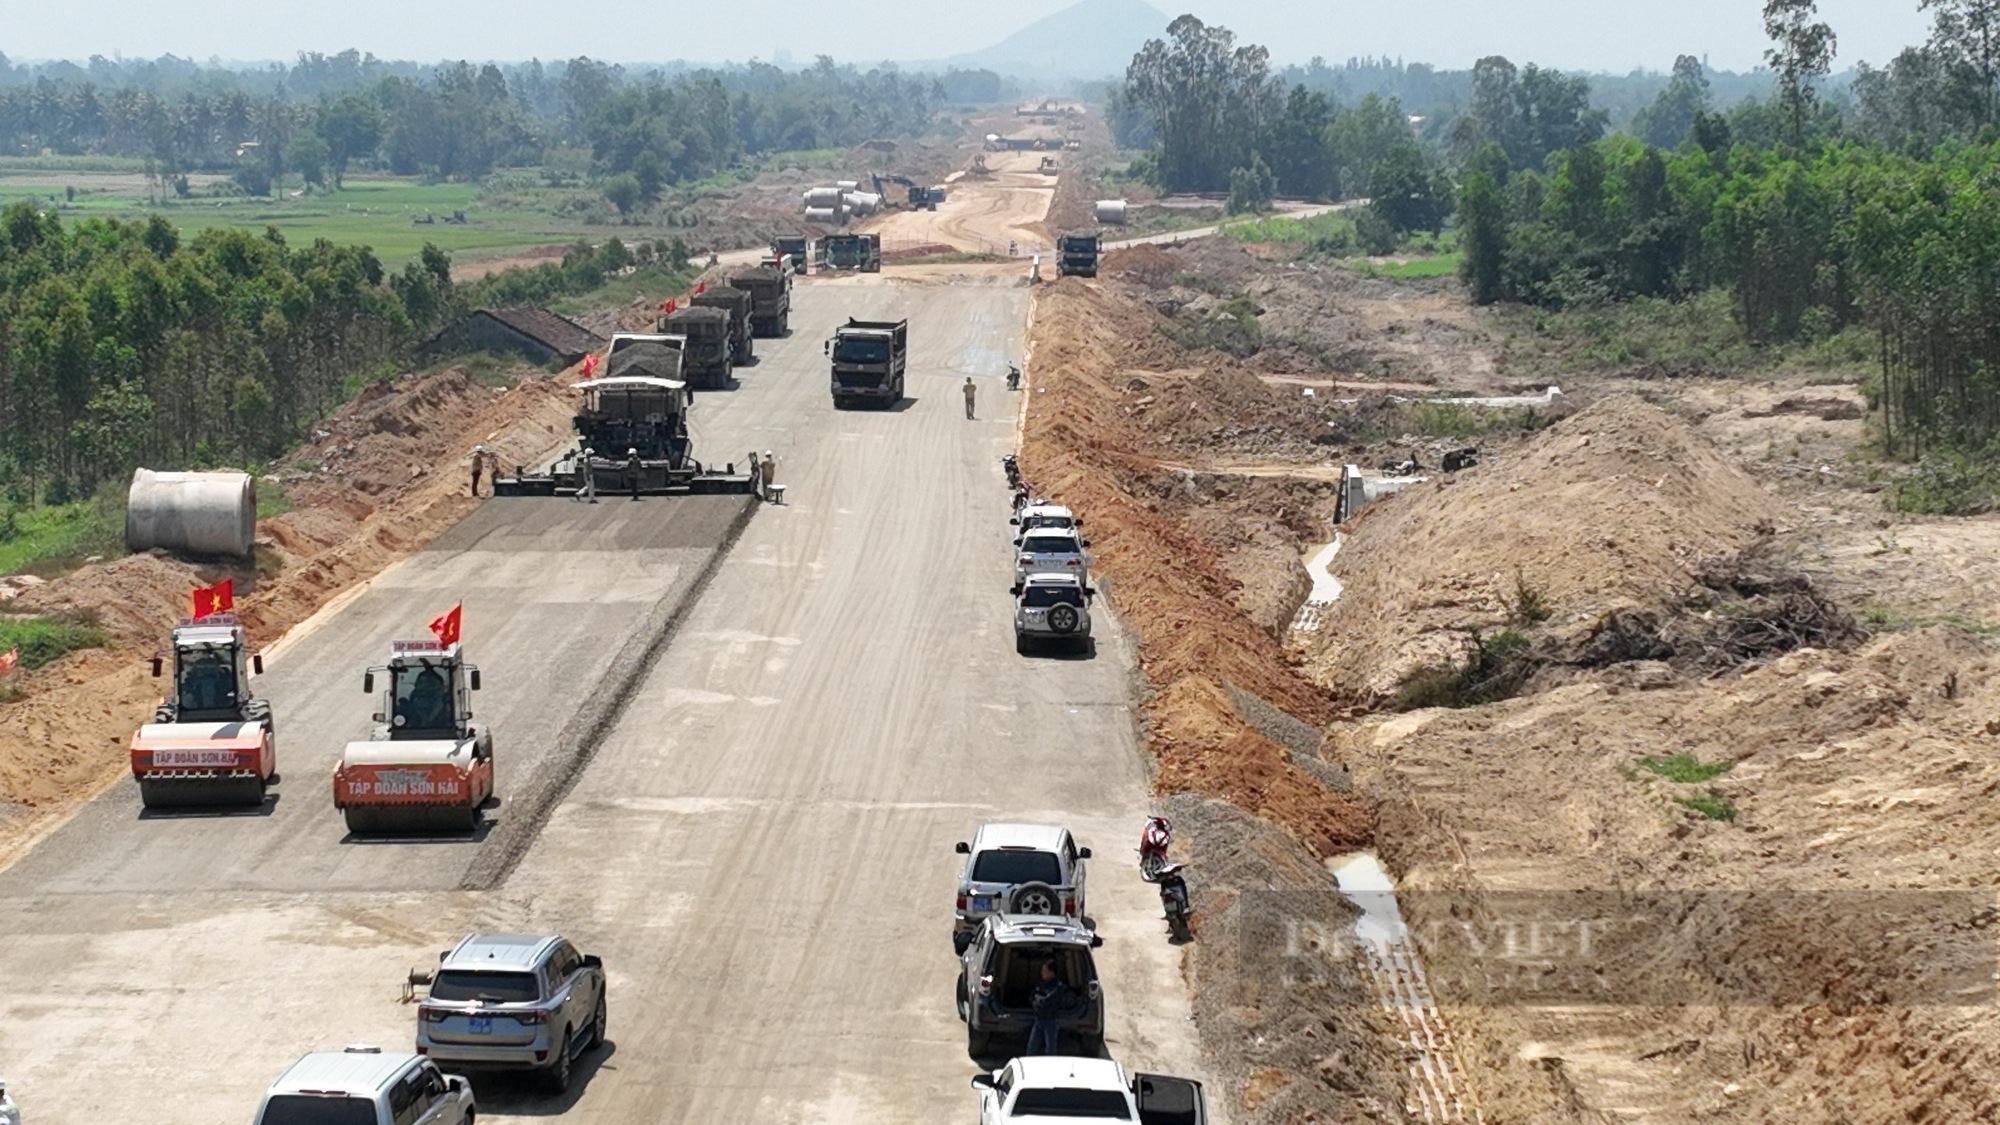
[[1049, 545], [208, 680], [1014, 867], [1042, 597], [489, 987], [1033, 522], [1059, 1101], [317, 1109], [850, 350], [423, 697]]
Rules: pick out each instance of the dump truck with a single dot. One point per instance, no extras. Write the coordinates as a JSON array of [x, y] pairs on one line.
[[861, 252], [1076, 255], [428, 767], [211, 741], [631, 434], [708, 355], [770, 292], [926, 198], [799, 250], [737, 303], [869, 359]]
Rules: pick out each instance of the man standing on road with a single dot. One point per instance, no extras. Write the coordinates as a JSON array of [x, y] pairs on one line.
[[632, 470], [971, 396], [588, 490], [1050, 998], [478, 466]]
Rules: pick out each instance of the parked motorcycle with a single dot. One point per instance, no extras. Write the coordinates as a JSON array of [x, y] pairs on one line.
[[1174, 900], [1153, 841], [1013, 467]]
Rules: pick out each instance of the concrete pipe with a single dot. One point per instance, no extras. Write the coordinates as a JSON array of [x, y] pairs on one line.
[[823, 197], [202, 514], [825, 215], [1111, 212], [862, 202], [847, 185]]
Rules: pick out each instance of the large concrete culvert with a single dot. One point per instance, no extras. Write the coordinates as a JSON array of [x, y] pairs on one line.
[[199, 514]]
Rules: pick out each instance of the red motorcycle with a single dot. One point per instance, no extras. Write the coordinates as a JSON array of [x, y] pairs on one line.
[[1153, 841]]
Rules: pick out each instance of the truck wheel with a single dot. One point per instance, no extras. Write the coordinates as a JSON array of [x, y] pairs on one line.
[[1021, 645], [556, 1078]]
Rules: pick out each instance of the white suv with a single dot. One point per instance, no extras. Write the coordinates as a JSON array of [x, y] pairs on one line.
[[1052, 609], [1051, 550], [10, 1114], [366, 1086], [514, 1002], [1044, 515], [1018, 869]]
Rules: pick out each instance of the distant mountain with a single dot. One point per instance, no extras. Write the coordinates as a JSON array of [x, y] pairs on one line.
[[1087, 40]]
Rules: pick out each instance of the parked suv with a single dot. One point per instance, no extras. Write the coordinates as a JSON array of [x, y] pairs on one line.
[[999, 970], [1036, 516], [1018, 869], [513, 1002], [1051, 550], [366, 1086], [10, 1114], [1052, 609]]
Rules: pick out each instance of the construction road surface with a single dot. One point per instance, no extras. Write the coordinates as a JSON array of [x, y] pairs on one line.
[[758, 843]]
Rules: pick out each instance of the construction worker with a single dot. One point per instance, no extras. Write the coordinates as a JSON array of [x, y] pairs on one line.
[[768, 472], [588, 490], [971, 396], [478, 466], [632, 470]]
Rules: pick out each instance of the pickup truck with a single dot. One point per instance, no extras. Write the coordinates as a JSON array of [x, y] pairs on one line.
[[1058, 1089]]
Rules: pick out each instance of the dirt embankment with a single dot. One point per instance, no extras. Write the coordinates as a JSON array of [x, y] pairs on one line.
[[1232, 724], [376, 482], [1642, 502], [1082, 449]]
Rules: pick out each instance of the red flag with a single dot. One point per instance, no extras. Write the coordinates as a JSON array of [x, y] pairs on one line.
[[219, 598], [8, 659], [589, 364], [446, 626], [701, 288], [667, 305]]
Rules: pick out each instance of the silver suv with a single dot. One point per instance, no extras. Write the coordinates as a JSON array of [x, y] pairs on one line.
[[366, 1086], [1018, 869], [1050, 550], [1052, 609], [513, 1002]]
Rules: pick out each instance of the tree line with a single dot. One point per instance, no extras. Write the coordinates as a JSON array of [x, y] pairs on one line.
[[1873, 208], [459, 120], [123, 345]]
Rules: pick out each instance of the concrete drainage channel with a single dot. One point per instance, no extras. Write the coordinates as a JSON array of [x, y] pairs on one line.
[[1396, 972], [1325, 588]]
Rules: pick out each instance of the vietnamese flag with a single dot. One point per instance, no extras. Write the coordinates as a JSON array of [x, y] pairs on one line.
[[701, 288], [589, 365], [8, 659], [446, 626], [211, 600], [667, 305]]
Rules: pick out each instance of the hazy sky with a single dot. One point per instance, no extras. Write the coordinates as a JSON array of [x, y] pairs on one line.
[[1613, 35]]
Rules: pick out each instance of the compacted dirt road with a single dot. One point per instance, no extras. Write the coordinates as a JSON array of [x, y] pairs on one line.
[[760, 848]]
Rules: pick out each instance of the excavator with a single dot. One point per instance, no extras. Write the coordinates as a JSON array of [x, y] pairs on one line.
[[920, 198], [428, 766], [211, 741]]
